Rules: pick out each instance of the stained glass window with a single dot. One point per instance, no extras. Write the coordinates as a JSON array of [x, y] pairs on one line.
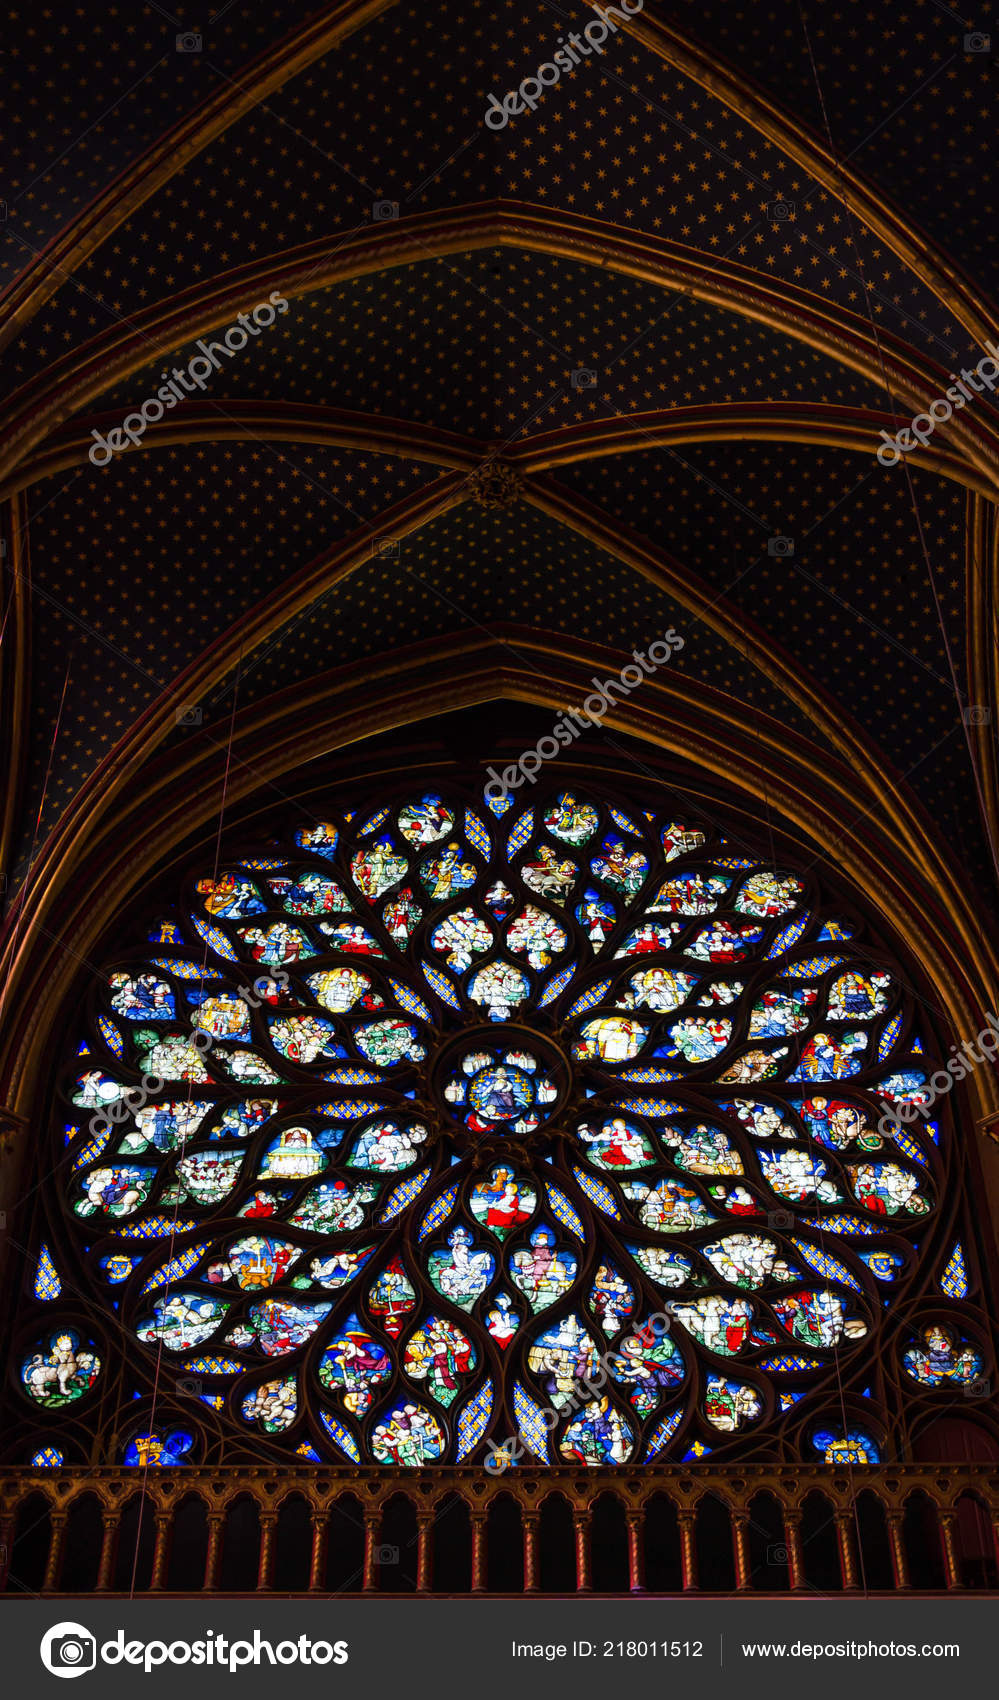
[[440, 1130]]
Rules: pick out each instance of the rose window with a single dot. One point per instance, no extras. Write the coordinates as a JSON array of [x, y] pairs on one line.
[[500, 1132]]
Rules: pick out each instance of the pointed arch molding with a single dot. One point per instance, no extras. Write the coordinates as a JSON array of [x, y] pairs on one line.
[[236, 96], [811, 796], [811, 424], [75, 382], [873, 783], [282, 61]]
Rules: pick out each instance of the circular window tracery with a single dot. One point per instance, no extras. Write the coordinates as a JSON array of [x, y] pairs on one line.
[[465, 1131]]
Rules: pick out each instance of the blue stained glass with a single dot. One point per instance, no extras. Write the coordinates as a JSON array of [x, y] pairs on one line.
[[157, 1451], [441, 985], [345, 1167], [917, 1046], [884, 1265], [439, 1211], [531, 1422], [520, 834], [47, 1282], [92, 1149], [826, 1265], [218, 941], [663, 1433], [374, 822], [498, 805], [409, 1001], [212, 1366], [111, 1036], [908, 1145], [47, 1458], [853, 1225], [184, 970], [813, 965], [887, 1041], [564, 1212], [404, 1194], [321, 839], [788, 936], [178, 1265], [154, 1227], [648, 1106], [478, 835], [597, 1193], [474, 1419], [556, 984], [588, 999], [341, 1435], [954, 1280], [855, 1447]]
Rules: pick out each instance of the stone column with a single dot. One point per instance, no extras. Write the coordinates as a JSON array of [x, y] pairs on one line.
[[265, 1569], [952, 1571], [372, 1532], [161, 1550], [320, 1542], [57, 1541], [795, 1557], [899, 1556], [479, 1555], [213, 1556], [581, 1531], [846, 1544], [531, 1569], [688, 1551], [740, 1550], [109, 1543], [636, 1556], [424, 1554]]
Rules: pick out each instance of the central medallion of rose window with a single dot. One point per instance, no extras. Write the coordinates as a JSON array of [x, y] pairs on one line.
[[506, 1082]]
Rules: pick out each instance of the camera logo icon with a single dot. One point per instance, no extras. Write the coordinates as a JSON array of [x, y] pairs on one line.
[[977, 42], [977, 715], [384, 210], [192, 716], [782, 212], [68, 1649], [583, 378], [780, 546], [189, 42]]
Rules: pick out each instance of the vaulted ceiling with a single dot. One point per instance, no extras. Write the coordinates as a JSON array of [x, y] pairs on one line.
[[404, 455]]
